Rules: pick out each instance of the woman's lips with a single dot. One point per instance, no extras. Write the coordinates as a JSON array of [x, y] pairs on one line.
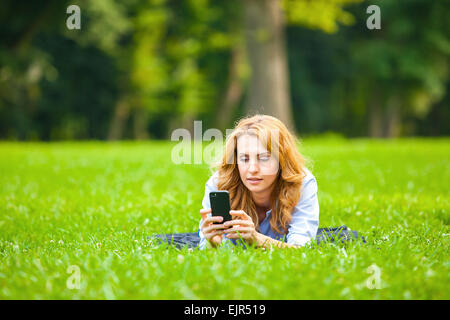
[[254, 181]]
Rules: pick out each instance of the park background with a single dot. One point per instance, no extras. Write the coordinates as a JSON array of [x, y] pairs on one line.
[[79, 192], [139, 69]]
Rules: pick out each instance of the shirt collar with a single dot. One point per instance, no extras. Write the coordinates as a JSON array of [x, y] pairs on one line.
[[270, 210]]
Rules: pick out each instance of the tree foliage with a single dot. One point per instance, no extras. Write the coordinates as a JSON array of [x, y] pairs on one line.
[[141, 68]]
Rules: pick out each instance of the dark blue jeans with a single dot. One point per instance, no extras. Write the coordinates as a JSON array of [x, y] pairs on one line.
[[192, 239]]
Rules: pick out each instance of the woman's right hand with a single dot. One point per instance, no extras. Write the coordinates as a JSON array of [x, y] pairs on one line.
[[212, 232]]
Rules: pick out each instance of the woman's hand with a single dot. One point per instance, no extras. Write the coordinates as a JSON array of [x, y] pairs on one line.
[[212, 232], [243, 225]]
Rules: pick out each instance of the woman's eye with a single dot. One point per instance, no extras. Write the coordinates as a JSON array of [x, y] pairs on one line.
[[264, 159], [243, 159]]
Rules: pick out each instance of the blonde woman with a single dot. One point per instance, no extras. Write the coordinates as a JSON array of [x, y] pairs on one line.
[[273, 196]]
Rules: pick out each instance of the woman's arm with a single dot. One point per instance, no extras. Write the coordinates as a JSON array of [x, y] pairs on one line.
[[305, 216], [266, 242], [302, 228], [245, 228]]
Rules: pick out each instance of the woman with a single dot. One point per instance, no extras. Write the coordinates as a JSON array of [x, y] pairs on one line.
[[273, 196]]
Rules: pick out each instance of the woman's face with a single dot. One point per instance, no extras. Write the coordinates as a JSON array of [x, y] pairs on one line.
[[258, 169]]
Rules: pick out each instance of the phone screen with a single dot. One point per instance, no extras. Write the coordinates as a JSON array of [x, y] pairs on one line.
[[220, 205]]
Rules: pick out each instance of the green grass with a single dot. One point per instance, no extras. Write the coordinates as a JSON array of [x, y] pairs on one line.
[[94, 205]]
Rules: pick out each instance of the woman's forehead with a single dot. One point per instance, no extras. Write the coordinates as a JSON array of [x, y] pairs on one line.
[[250, 144]]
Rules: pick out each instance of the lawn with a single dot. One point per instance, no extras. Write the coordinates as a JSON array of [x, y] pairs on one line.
[[84, 210]]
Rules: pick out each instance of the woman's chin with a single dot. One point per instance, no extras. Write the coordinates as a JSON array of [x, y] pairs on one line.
[[254, 188]]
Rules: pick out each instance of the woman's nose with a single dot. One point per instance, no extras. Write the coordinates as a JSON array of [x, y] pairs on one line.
[[253, 166]]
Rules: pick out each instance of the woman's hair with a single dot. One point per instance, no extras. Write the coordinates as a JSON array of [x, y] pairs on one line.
[[290, 172]]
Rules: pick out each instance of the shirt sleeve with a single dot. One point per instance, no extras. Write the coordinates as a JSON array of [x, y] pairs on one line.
[[305, 217], [211, 185]]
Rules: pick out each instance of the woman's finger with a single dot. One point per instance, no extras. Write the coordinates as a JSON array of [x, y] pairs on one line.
[[204, 212], [214, 219], [211, 235], [238, 222], [238, 235], [211, 227], [215, 233], [240, 213], [211, 219], [240, 229]]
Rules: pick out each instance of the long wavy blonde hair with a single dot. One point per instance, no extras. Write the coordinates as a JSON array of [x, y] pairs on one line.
[[290, 172]]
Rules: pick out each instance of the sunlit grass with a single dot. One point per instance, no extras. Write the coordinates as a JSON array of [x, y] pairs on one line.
[[93, 205]]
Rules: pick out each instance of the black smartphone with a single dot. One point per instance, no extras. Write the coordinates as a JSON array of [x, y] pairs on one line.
[[220, 205]]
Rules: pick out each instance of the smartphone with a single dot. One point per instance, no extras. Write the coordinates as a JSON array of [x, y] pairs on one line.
[[220, 205]]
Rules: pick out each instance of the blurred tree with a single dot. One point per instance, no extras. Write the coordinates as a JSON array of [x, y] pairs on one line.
[[58, 83], [141, 68], [172, 39], [269, 85], [377, 82], [403, 67], [107, 26], [22, 65], [178, 49], [269, 90]]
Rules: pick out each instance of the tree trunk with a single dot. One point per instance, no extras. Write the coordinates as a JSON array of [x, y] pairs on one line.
[[140, 124], [33, 26], [393, 118], [375, 116], [234, 90], [183, 121], [269, 91], [121, 114], [187, 122]]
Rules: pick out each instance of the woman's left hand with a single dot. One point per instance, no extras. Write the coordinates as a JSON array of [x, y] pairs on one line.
[[244, 225]]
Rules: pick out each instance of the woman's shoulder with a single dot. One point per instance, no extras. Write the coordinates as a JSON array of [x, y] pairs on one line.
[[309, 185], [307, 176], [213, 180]]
